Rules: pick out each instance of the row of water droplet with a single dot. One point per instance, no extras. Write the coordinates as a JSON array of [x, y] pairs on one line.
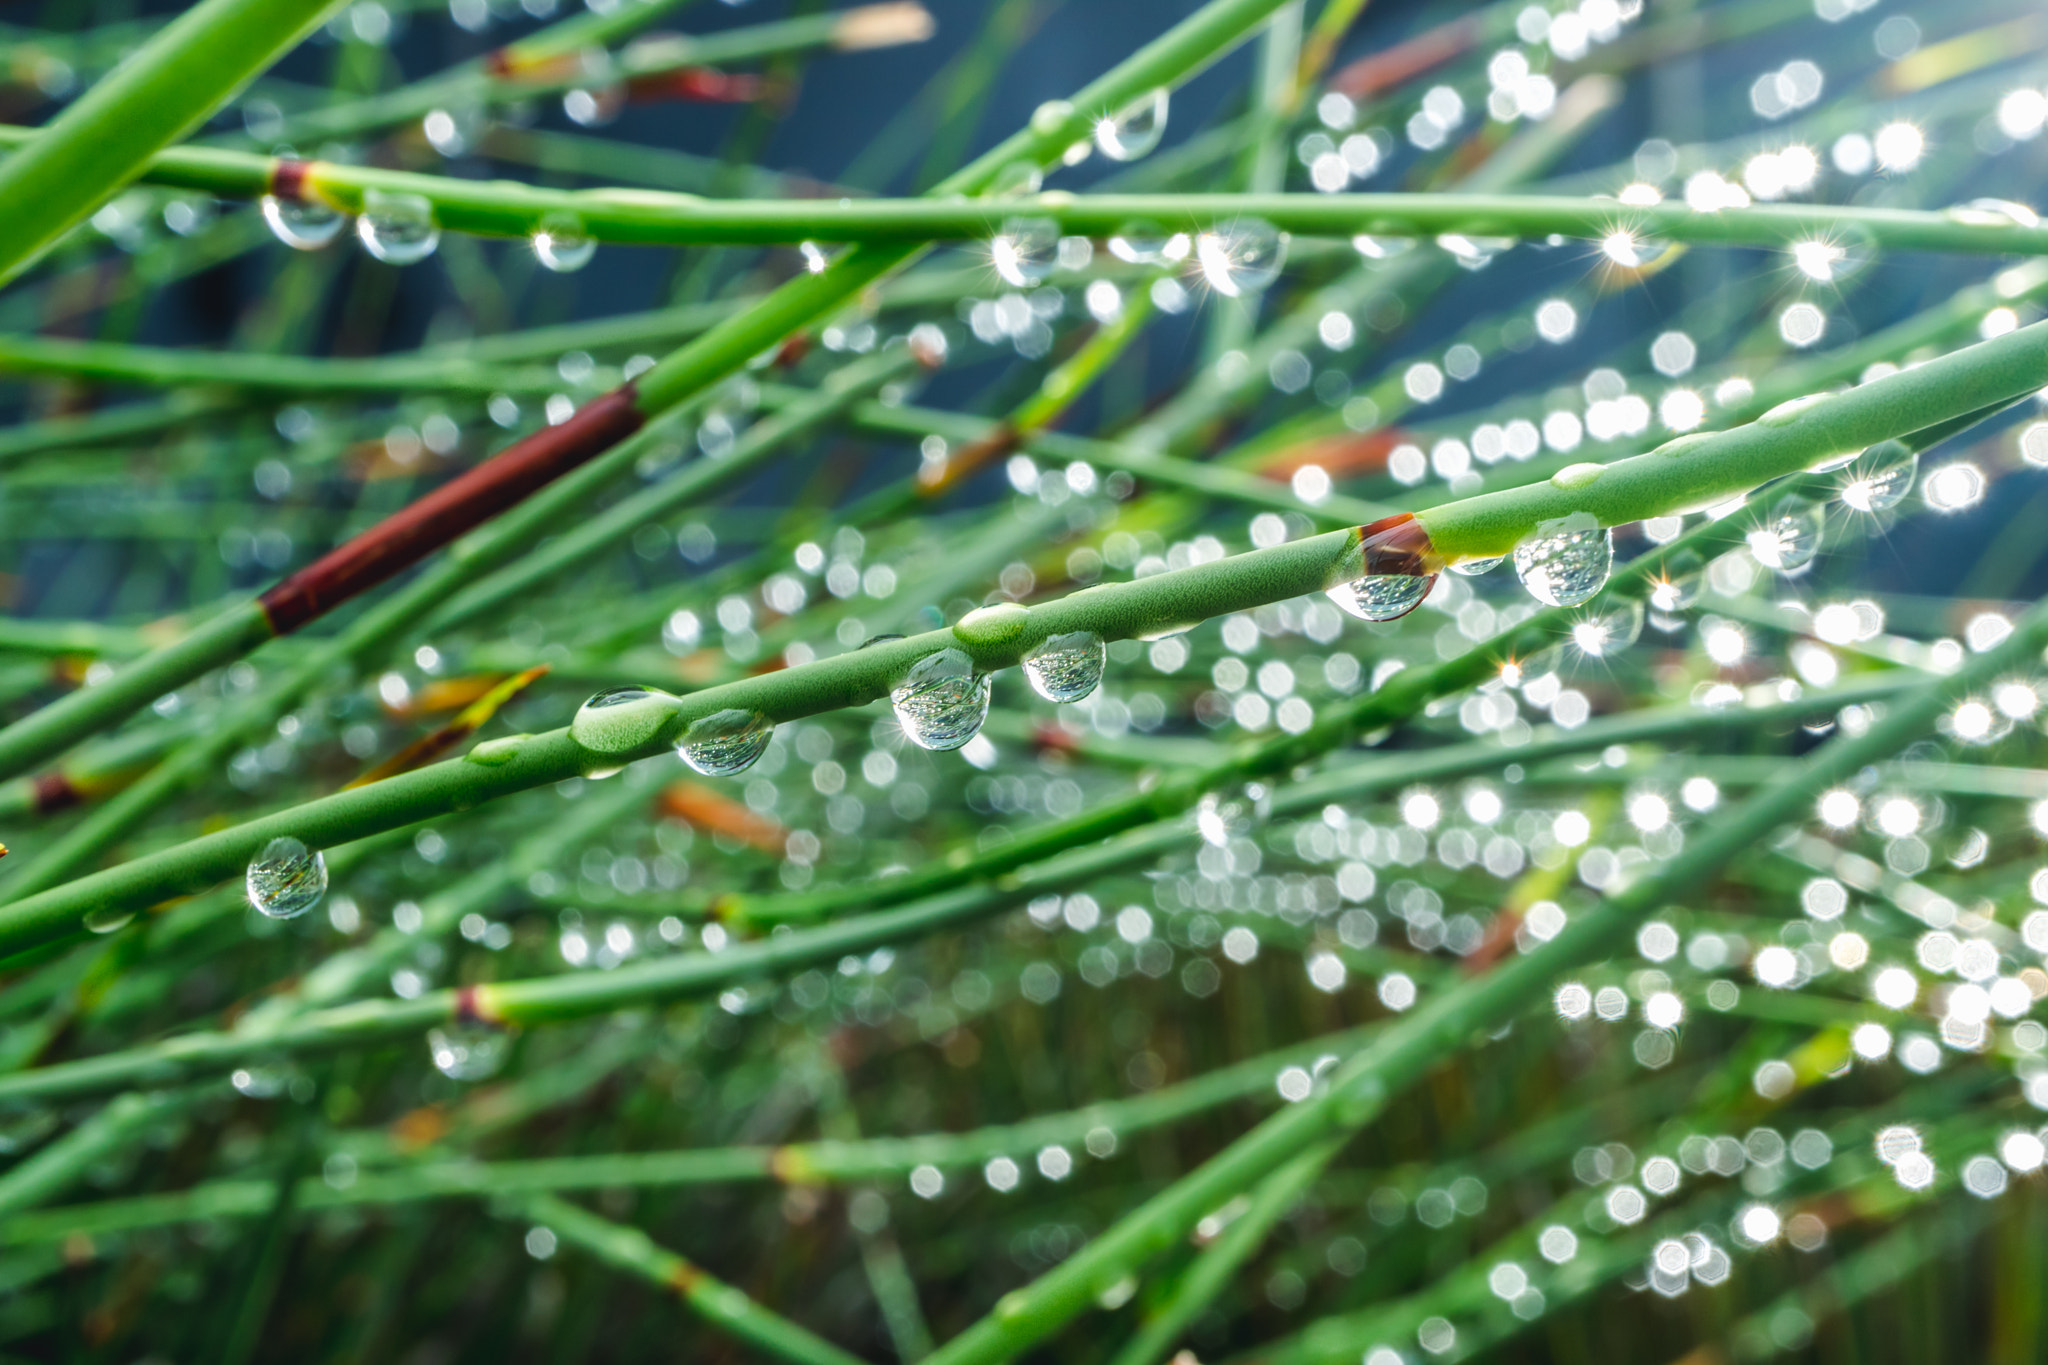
[[400, 229], [1567, 565]]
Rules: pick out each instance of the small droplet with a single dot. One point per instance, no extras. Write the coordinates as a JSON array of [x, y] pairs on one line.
[[1790, 538], [1134, 130], [621, 719], [1472, 568], [1879, 479], [1566, 564], [995, 624], [726, 742], [107, 919], [467, 1052], [1995, 213], [1025, 250], [301, 225], [398, 229], [496, 753], [1242, 256], [1066, 668], [1388, 573], [1016, 180], [1633, 250], [286, 879], [1147, 243], [943, 701], [1473, 253], [1789, 411], [1605, 635], [1678, 586], [1573, 477], [561, 244], [1379, 247]]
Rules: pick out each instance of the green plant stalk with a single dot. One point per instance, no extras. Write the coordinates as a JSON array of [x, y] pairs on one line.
[[720, 1304], [105, 139], [1360, 1088], [1203, 1282], [1954, 387], [118, 363], [996, 889], [639, 217], [60, 1164], [687, 372], [548, 999], [827, 1162]]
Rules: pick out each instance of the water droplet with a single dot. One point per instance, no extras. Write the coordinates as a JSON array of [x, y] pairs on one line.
[[496, 753], [300, 225], [467, 1052], [1679, 445], [1472, 568], [1049, 118], [995, 624], [1633, 250], [1473, 253], [1678, 586], [287, 879], [1024, 251], [397, 229], [1790, 538], [943, 701], [725, 742], [1379, 247], [1066, 667], [1879, 479], [1241, 256], [1830, 260], [1605, 635], [620, 719], [106, 919], [1995, 213], [1148, 243], [1388, 573], [1565, 563], [1576, 476], [1789, 411], [561, 244], [1134, 130]]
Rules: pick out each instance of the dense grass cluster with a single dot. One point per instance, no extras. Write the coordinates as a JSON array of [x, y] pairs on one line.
[[1366, 694]]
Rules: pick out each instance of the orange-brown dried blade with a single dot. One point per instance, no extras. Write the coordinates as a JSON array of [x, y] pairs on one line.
[[466, 723], [711, 810]]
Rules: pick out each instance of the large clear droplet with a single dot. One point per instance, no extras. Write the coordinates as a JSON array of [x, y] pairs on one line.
[[398, 229], [620, 719], [1607, 634], [943, 701], [287, 879], [1242, 256], [1790, 538], [561, 245], [467, 1052], [1066, 667], [300, 225], [1565, 566], [1396, 567], [1134, 130], [1879, 479], [726, 742], [1024, 251], [1382, 596]]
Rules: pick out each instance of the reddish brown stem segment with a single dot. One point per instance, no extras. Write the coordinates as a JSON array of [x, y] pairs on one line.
[[407, 536], [1399, 545], [288, 179]]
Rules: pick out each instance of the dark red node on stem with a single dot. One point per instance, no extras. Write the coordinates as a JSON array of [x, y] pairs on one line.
[[288, 179], [1399, 545], [54, 792], [698, 83], [406, 536]]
